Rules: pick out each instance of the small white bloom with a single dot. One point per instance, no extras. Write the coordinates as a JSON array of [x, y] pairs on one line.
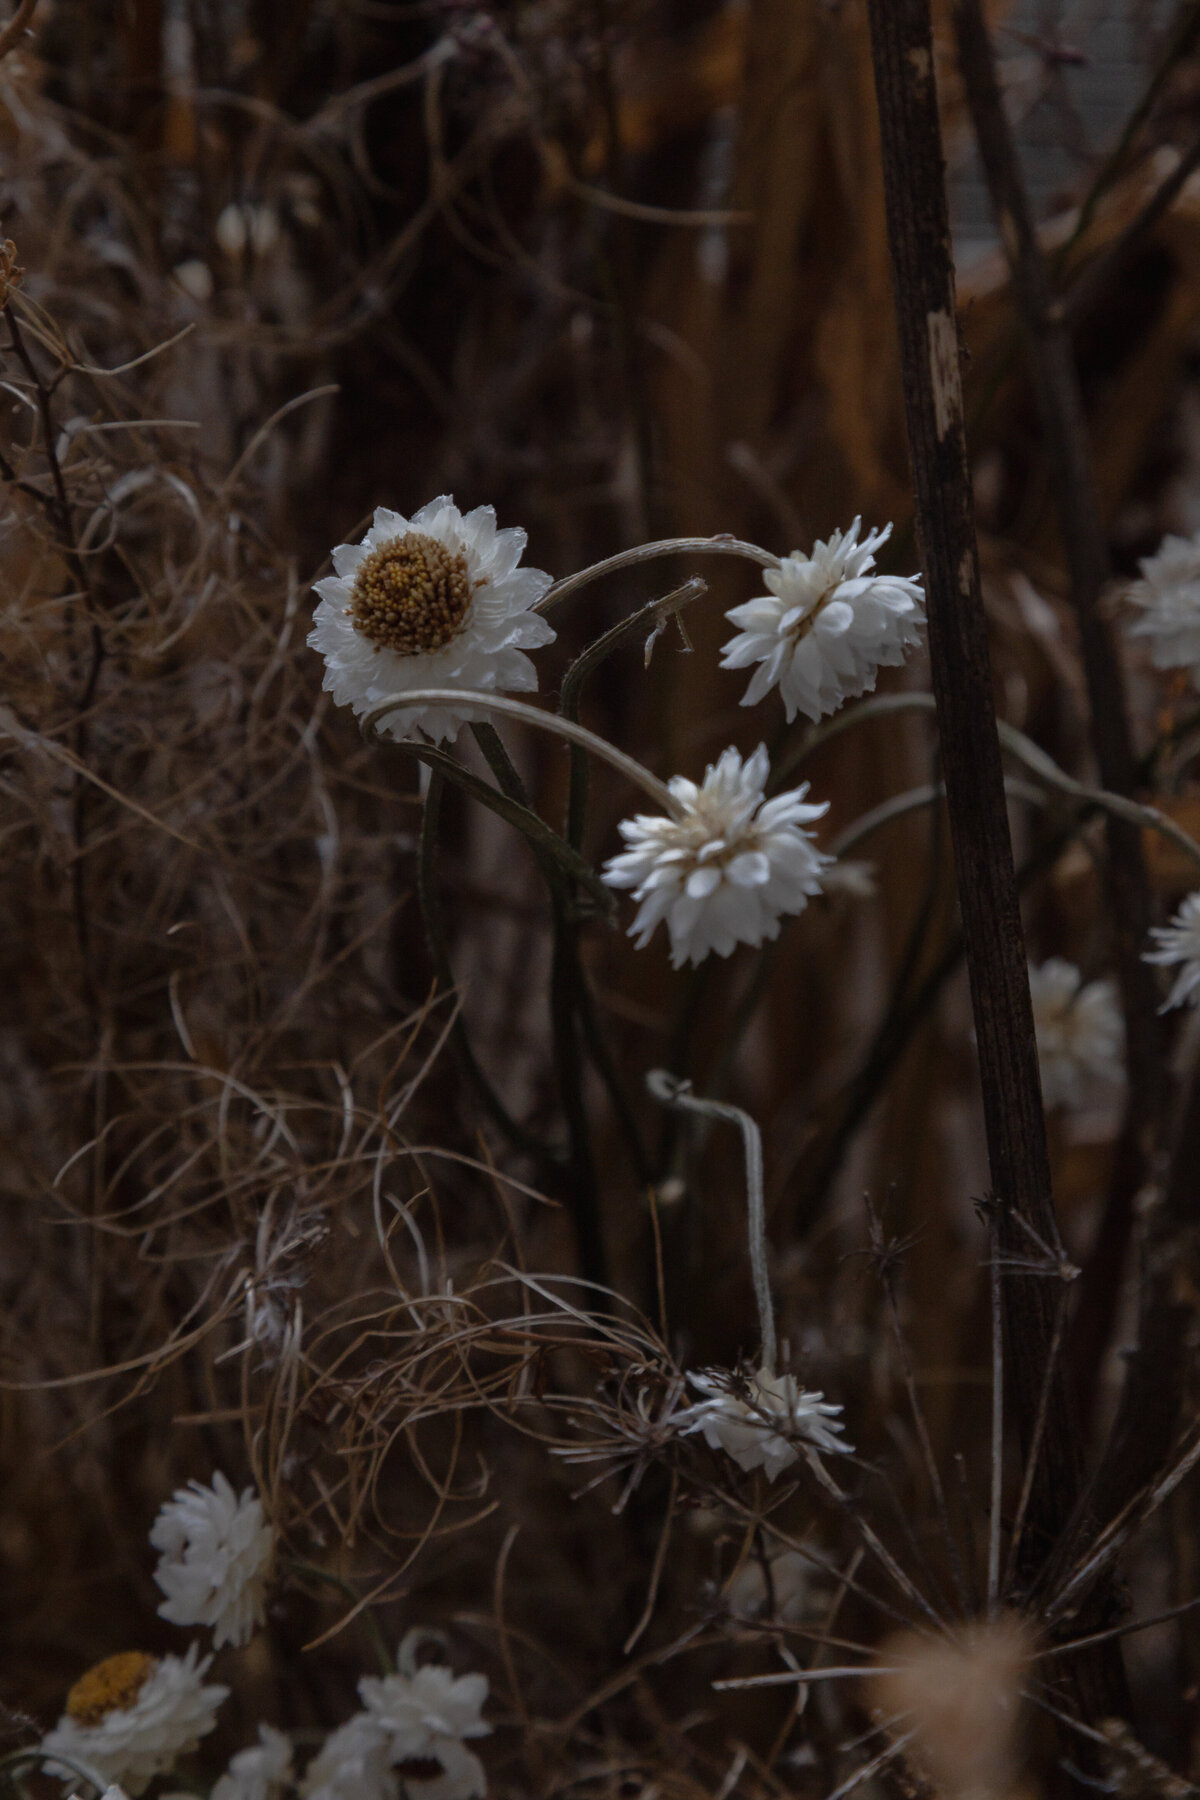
[[433, 601], [757, 1419], [827, 626], [1080, 1031], [1169, 595], [216, 1555], [132, 1717], [1179, 942], [726, 867], [352, 1764], [426, 1715], [260, 1772], [411, 1731]]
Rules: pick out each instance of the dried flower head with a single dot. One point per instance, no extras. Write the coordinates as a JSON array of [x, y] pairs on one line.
[[352, 1764], [1179, 945], [759, 1419], [433, 601], [1080, 1031], [827, 626], [216, 1556], [132, 1717], [1169, 595], [726, 867], [962, 1701]]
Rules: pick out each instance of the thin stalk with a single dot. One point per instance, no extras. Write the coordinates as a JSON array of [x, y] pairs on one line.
[[997, 1494], [374, 1630], [669, 1090], [720, 545], [530, 715], [435, 932]]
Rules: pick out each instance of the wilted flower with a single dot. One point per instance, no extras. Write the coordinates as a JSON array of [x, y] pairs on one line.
[[132, 1717], [827, 626], [757, 1419], [432, 601], [1179, 942], [960, 1702], [1080, 1031], [726, 867], [216, 1554], [1169, 594], [260, 1772]]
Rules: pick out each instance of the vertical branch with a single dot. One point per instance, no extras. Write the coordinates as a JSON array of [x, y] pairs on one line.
[[1068, 452], [919, 237]]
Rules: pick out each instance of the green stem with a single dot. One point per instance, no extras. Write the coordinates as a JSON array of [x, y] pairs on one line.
[[366, 1613]]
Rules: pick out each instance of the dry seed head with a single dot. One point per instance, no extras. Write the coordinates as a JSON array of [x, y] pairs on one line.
[[112, 1686], [963, 1701], [411, 595]]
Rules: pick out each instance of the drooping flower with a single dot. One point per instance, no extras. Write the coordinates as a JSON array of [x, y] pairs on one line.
[[827, 626], [1179, 944], [726, 867], [757, 1419], [132, 1717], [433, 601], [1169, 595], [1080, 1031], [260, 1772], [216, 1555]]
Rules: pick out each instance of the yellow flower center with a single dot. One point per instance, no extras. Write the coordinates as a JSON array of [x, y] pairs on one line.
[[112, 1686], [411, 595]]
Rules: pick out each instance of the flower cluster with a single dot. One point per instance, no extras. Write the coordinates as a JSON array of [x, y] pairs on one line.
[[409, 1734], [216, 1556], [760, 1419], [726, 867], [438, 602], [1080, 1032]]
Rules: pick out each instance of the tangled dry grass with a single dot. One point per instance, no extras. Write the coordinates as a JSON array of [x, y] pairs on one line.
[[620, 273]]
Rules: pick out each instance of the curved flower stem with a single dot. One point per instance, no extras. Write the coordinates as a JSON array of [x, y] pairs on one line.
[[721, 545], [531, 715], [671, 1091], [431, 916], [374, 1629], [1015, 742]]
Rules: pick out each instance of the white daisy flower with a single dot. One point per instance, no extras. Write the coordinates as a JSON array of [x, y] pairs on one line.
[[352, 1764], [756, 1419], [216, 1556], [1169, 595], [260, 1772], [132, 1717], [1080, 1032], [726, 867], [1179, 942], [426, 1715], [827, 626], [432, 601]]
